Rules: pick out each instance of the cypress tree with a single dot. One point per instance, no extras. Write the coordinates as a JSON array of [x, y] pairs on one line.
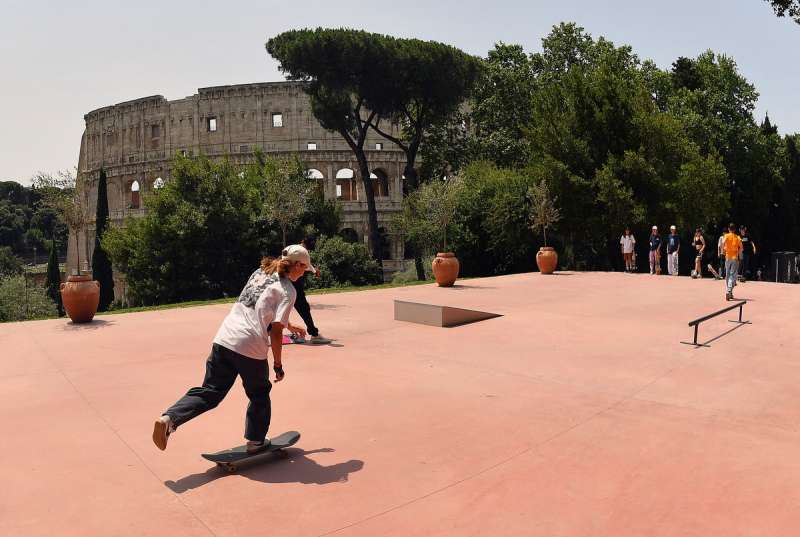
[[54, 279], [101, 264]]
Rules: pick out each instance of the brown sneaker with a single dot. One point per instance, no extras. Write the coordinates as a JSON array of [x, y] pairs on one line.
[[161, 431], [254, 447]]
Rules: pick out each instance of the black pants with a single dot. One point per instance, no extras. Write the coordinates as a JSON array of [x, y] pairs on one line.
[[745, 269], [302, 306], [222, 367]]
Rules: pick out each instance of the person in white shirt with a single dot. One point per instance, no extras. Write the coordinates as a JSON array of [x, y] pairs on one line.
[[627, 244], [254, 324]]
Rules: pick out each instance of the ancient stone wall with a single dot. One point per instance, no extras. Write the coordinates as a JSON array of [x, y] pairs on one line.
[[135, 142]]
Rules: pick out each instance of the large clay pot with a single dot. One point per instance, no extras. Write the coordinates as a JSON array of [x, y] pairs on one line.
[[546, 260], [445, 269], [80, 295]]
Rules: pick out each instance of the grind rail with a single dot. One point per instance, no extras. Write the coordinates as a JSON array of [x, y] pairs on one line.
[[696, 323]]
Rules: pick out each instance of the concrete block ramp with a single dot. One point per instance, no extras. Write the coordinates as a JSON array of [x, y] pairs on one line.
[[438, 315]]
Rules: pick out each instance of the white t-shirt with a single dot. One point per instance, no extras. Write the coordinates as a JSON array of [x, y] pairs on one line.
[[627, 242], [266, 298]]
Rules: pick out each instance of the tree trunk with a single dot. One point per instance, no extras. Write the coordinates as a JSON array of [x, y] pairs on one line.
[[420, 268], [78, 251], [411, 184], [372, 211]]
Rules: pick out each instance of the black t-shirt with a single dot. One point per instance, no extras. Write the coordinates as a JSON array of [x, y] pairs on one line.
[[655, 242], [747, 245]]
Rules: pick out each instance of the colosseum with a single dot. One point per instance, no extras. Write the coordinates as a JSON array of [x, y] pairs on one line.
[[135, 141]]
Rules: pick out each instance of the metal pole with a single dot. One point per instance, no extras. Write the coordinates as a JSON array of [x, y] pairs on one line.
[[741, 307], [695, 333], [27, 311]]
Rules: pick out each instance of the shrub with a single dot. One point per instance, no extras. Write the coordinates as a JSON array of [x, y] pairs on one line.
[[410, 273], [343, 264], [10, 265], [19, 302]]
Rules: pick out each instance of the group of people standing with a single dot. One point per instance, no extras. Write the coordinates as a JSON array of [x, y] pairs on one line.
[[735, 251]]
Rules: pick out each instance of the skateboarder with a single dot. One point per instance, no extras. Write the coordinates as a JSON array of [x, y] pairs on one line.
[[732, 245], [254, 324], [301, 304]]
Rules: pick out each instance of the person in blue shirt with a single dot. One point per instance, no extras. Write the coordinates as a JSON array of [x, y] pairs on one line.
[[673, 250], [655, 251]]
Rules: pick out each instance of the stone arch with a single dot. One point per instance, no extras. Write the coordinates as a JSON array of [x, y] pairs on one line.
[[135, 201], [346, 187], [380, 183], [319, 179], [349, 234]]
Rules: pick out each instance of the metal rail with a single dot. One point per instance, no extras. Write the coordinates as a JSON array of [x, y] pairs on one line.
[[696, 322]]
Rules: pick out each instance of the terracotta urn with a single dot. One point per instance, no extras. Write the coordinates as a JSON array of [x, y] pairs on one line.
[[445, 269], [546, 259], [81, 296]]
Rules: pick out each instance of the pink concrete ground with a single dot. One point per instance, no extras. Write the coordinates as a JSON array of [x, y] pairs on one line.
[[576, 413]]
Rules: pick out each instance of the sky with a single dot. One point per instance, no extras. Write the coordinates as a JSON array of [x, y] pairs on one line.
[[60, 60]]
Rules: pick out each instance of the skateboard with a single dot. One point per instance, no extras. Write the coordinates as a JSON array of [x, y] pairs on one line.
[[713, 271], [230, 459]]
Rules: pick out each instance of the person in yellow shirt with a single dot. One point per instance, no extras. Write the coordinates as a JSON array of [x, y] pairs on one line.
[[732, 246]]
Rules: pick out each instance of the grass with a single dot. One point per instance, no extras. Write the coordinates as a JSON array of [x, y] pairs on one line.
[[326, 291]]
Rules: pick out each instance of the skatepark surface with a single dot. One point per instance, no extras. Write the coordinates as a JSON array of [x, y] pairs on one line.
[[577, 412]]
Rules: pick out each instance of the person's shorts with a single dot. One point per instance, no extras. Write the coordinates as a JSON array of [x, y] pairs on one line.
[[628, 256]]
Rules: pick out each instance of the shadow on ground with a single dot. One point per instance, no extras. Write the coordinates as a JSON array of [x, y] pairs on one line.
[[295, 467], [95, 324]]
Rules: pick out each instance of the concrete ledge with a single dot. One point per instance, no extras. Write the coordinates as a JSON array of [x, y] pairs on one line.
[[435, 315]]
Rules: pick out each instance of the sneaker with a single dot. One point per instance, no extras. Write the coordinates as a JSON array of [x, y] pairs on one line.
[[297, 339], [319, 339], [728, 296], [162, 428], [255, 447]]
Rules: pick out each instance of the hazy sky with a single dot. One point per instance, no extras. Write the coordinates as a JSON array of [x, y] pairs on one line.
[[59, 60]]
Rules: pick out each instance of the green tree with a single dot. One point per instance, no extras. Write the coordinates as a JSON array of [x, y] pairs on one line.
[[101, 264], [544, 213], [62, 194], [345, 74], [287, 189], [10, 265], [783, 8], [431, 82], [13, 223], [201, 238], [490, 230], [604, 146], [502, 107], [54, 279]]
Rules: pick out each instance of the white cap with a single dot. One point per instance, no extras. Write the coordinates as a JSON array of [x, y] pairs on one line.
[[672, 227], [655, 228], [296, 252]]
